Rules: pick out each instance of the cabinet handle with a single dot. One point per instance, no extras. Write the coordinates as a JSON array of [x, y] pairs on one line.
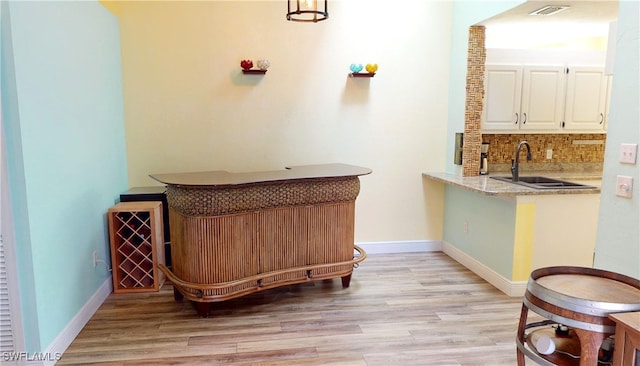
[[601, 118], [517, 117], [524, 118]]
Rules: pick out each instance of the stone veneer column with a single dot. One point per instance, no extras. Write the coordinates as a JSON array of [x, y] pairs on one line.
[[473, 105]]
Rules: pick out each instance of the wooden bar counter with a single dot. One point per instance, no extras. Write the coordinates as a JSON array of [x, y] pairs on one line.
[[233, 234]]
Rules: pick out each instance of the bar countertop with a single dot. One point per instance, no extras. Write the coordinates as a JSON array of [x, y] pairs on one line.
[[220, 178], [485, 185]]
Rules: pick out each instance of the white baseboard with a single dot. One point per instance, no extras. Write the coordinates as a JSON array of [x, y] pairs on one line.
[[407, 246], [71, 331], [511, 288]]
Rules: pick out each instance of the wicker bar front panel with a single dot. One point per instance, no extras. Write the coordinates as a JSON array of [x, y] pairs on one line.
[[232, 241], [209, 201], [331, 232], [282, 233]]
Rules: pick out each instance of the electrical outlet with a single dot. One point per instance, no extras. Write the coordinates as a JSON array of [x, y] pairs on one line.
[[466, 227], [549, 154], [95, 259], [624, 186]]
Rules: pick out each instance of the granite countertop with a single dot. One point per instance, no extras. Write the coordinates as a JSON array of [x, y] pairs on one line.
[[485, 185]]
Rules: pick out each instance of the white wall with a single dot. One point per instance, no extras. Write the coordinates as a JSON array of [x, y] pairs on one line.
[[189, 108], [546, 57]]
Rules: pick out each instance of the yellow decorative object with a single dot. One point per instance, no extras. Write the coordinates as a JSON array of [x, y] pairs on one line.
[[371, 68]]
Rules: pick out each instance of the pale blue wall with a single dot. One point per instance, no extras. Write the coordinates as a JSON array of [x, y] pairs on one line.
[[10, 116], [618, 241], [497, 224], [66, 147], [490, 227], [465, 14]]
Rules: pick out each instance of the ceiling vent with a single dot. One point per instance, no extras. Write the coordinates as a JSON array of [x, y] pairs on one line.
[[549, 10]]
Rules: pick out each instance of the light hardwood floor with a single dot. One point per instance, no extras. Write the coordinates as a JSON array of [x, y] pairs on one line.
[[401, 309]]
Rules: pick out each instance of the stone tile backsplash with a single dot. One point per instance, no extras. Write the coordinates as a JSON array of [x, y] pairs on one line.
[[570, 151]]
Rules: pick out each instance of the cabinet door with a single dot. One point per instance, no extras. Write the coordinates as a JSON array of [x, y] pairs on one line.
[[503, 88], [607, 104], [586, 98], [543, 91]]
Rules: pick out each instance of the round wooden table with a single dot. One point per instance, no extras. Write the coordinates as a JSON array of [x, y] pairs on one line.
[[581, 299]]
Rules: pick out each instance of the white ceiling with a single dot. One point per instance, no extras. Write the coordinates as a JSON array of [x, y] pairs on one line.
[[583, 24], [584, 11]]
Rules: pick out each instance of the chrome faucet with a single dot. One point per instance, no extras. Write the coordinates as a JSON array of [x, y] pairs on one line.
[[516, 162]]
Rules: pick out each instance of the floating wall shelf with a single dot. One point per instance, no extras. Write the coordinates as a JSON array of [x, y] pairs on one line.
[[362, 74], [254, 72]]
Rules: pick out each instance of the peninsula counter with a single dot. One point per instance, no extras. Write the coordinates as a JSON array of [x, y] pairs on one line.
[[503, 231]]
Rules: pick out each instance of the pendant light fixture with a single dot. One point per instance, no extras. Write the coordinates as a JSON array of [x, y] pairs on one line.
[[307, 10]]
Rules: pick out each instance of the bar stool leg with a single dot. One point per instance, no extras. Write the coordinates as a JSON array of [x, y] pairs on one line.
[[590, 343], [521, 338]]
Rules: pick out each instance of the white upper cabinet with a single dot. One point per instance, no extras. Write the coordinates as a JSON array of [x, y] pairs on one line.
[[543, 93], [586, 99], [523, 98], [607, 104], [545, 99], [503, 90]]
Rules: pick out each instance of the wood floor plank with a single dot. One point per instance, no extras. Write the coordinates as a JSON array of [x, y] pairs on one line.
[[401, 309], [250, 358], [286, 336]]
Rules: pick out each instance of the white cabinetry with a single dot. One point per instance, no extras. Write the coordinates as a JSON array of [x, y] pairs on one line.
[[523, 97], [543, 91], [586, 99], [503, 91], [544, 99], [607, 104]]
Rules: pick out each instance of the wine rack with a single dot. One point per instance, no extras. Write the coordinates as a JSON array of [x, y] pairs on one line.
[[136, 238]]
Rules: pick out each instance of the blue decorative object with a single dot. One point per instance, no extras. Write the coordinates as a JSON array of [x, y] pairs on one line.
[[356, 68]]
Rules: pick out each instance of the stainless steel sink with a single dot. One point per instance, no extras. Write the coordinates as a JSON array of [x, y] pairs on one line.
[[539, 182]]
